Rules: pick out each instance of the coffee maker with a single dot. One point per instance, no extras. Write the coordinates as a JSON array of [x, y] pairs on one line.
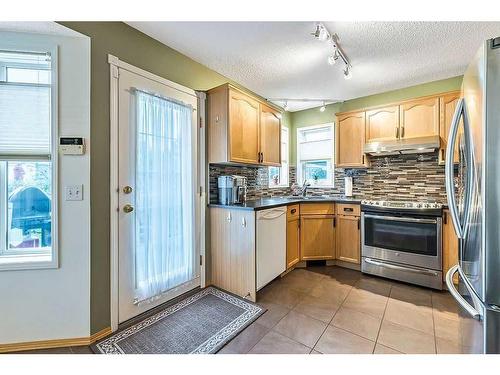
[[232, 189]]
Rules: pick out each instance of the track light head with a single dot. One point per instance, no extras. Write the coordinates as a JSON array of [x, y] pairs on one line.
[[332, 59], [285, 107], [321, 33], [347, 73], [322, 108]]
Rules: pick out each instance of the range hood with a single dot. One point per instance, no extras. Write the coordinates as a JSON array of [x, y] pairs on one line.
[[418, 145]]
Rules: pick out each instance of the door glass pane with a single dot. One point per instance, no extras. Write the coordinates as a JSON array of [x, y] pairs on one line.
[[164, 196], [29, 188], [415, 238]]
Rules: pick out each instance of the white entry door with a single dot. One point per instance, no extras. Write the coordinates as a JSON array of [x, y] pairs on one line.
[[158, 204]]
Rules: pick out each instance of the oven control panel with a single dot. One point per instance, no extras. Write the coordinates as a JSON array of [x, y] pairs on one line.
[[402, 205]]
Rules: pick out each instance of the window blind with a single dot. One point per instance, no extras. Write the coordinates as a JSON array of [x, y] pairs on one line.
[[24, 120]]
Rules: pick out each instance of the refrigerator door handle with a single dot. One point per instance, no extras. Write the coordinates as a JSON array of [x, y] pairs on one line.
[[450, 189], [458, 297]]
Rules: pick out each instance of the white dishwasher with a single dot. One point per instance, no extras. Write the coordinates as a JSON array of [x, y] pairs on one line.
[[271, 244]]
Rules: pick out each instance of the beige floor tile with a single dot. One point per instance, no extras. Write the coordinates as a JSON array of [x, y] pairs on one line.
[[338, 341], [282, 295], [274, 343], [357, 322], [375, 285], [448, 329], [366, 302], [448, 347], [412, 294], [344, 276], [317, 308], [381, 349], [300, 282], [246, 340], [300, 328], [445, 305], [405, 340], [331, 291], [273, 314], [407, 314]]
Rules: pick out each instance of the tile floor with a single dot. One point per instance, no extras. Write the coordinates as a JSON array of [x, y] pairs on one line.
[[336, 310]]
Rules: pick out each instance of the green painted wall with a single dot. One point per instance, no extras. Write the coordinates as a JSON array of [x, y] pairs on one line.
[[138, 49], [314, 117]]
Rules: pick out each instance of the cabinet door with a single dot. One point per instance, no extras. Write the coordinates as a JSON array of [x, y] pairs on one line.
[[350, 140], [348, 239], [447, 105], [244, 116], [270, 136], [382, 124], [317, 237], [292, 242], [233, 251], [450, 245], [419, 118], [242, 254]]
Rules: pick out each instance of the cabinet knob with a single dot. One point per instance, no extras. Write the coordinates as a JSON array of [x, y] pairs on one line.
[[229, 218], [293, 210], [217, 118], [243, 222], [128, 208]]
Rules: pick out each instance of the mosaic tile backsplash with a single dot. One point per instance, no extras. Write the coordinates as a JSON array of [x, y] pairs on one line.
[[402, 177]]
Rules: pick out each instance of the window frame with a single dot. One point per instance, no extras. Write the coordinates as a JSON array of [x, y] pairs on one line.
[[287, 131], [11, 260], [332, 159]]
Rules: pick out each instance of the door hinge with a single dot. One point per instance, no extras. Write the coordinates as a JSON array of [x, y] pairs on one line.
[[334, 221], [358, 223], [201, 191], [201, 260], [201, 122]]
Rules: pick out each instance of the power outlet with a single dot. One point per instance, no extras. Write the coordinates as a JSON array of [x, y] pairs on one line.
[[74, 193]]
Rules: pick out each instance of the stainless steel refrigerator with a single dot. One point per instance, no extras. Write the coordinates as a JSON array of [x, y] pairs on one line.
[[473, 191]]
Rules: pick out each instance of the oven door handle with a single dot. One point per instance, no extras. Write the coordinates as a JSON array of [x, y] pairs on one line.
[[406, 219], [400, 268]]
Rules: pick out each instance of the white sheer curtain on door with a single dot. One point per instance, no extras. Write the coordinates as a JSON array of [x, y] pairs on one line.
[[164, 199]]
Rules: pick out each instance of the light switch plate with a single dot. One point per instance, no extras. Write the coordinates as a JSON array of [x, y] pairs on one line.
[[74, 192]]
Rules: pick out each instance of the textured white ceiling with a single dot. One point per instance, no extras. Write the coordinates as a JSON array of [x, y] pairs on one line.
[[282, 59], [51, 28]]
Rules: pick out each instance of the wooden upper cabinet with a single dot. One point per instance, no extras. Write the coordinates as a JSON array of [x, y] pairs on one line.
[[382, 124], [350, 140], [419, 118], [348, 239], [243, 128], [270, 136], [447, 105]]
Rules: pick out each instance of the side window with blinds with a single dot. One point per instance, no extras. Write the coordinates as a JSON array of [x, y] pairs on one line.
[[315, 150], [26, 173]]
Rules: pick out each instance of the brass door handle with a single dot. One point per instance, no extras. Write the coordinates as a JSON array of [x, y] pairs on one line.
[[128, 208], [127, 189]]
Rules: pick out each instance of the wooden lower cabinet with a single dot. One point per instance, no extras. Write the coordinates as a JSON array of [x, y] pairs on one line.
[[292, 236], [317, 237], [450, 244], [348, 239], [232, 249]]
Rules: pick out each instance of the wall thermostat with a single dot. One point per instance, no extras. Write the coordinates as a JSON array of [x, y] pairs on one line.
[[72, 145]]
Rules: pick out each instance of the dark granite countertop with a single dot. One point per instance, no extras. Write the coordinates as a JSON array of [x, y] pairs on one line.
[[264, 203]]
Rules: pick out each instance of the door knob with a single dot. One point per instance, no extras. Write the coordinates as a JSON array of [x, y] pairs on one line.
[[127, 189], [128, 208]]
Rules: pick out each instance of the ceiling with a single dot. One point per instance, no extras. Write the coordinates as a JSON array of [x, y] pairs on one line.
[[49, 28], [282, 59]]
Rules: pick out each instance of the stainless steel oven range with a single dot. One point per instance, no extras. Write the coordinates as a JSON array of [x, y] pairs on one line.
[[402, 241]]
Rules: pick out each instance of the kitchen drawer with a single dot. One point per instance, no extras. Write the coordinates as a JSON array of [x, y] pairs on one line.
[[348, 209], [317, 208], [293, 212]]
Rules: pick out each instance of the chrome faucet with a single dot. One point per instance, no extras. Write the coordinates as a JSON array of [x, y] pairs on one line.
[[303, 189]]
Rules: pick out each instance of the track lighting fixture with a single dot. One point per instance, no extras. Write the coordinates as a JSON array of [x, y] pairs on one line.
[[285, 107], [323, 107], [347, 73], [321, 33]]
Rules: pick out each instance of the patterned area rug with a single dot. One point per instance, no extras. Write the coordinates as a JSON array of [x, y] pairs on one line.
[[201, 323]]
